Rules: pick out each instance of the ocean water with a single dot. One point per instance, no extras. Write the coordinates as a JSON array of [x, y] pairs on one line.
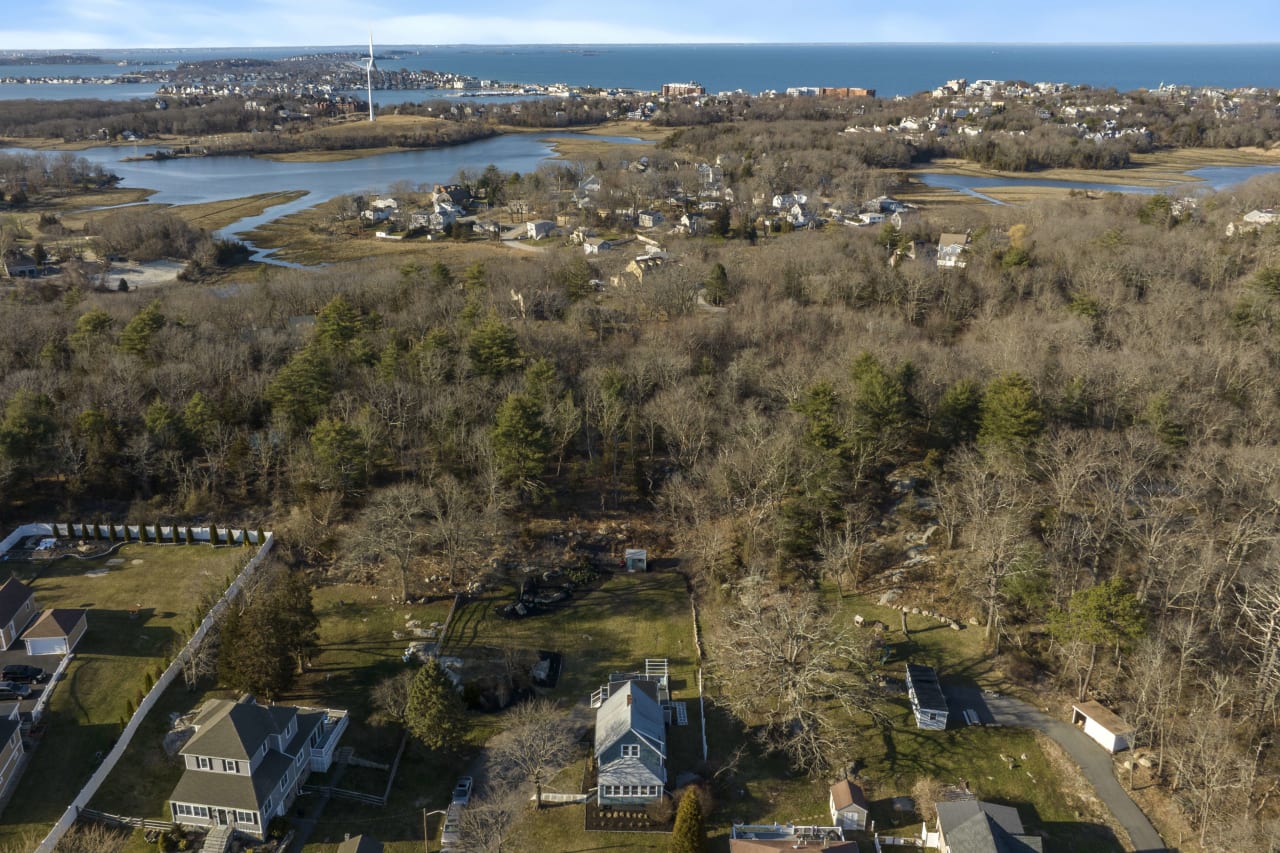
[[890, 69]]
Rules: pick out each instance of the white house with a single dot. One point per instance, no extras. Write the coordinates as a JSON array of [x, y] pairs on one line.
[[380, 210], [927, 701], [1103, 725], [539, 228], [693, 224], [650, 218], [951, 251], [782, 201], [848, 806]]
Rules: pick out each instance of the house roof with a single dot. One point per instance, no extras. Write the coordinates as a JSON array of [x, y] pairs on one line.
[[953, 239], [54, 623], [630, 708], [1105, 717], [233, 790], [236, 730], [924, 681], [13, 595], [360, 844], [972, 826], [631, 771], [844, 794]]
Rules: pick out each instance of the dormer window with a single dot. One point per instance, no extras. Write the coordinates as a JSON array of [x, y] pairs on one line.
[[631, 750], [204, 763], [229, 766]]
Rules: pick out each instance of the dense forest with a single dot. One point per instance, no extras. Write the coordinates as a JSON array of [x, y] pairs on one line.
[[1089, 408]]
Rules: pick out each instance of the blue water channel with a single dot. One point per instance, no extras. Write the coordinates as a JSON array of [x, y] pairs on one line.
[[197, 180], [1208, 178]]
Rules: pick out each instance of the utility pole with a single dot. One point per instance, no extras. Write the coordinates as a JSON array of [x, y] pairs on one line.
[[426, 837]]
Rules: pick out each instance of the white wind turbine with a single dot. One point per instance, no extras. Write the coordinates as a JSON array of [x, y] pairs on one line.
[[368, 71]]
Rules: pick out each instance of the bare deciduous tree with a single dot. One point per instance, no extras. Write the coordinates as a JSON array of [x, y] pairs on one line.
[[801, 679], [537, 743]]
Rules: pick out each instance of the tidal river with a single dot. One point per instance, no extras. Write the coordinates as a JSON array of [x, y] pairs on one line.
[[195, 180]]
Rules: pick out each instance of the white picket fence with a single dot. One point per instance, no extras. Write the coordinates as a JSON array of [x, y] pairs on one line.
[[549, 797], [175, 666]]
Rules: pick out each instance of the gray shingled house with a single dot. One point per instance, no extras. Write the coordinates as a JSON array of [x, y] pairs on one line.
[[17, 609], [245, 762], [972, 826], [631, 745]]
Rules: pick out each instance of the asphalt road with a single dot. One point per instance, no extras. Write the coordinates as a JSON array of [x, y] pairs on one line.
[[1094, 761]]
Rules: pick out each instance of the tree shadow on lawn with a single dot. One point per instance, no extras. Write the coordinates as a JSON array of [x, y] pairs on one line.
[[126, 633], [1064, 836]]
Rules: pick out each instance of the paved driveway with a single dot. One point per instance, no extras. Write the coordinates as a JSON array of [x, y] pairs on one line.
[[1095, 762]]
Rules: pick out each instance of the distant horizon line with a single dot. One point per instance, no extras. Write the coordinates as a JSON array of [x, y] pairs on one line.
[[713, 43]]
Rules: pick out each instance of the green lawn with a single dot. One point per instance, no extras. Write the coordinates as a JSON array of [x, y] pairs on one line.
[[958, 655], [138, 611], [613, 627]]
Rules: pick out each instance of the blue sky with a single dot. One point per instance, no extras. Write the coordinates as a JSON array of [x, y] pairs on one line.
[[86, 24]]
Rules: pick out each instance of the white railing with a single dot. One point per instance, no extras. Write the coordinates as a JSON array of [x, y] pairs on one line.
[[47, 693], [162, 683]]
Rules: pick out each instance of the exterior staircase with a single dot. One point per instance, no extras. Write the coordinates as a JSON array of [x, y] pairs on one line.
[[218, 839]]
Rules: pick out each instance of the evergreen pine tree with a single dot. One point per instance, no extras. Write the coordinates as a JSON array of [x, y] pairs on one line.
[[690, 832], [434, 713], [520, 443], [1012, 416]]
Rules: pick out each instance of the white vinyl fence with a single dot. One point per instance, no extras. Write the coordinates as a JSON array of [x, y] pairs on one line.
[[200, 534]]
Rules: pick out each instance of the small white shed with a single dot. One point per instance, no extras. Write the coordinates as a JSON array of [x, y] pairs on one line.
[[1103, 725], [848, 806], [636, 560]]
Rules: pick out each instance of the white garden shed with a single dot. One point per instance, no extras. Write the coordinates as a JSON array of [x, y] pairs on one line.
[[1103, 725]]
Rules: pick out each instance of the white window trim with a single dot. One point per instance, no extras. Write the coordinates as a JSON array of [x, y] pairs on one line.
[[631, 750]]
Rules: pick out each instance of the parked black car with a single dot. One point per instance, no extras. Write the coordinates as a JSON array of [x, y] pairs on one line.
[[24, 674], [13, 690]]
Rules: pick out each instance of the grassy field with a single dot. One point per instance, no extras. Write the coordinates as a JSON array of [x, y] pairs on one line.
[[358, 648], [160, 583], [611, 628]]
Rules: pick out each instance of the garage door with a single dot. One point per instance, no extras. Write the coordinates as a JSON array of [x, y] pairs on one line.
[[47, 646]]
